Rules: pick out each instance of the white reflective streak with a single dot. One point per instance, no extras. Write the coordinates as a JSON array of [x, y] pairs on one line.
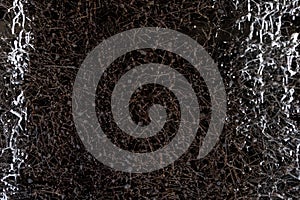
[[271, 57], [13, 127]]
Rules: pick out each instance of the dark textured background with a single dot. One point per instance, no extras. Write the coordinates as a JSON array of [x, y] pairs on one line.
[[58, 167]]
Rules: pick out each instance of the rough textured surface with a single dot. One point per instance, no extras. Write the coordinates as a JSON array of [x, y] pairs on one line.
[[249, 161], [15, 42]]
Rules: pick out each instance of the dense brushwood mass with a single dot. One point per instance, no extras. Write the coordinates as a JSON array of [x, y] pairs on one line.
[[59, 167]]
